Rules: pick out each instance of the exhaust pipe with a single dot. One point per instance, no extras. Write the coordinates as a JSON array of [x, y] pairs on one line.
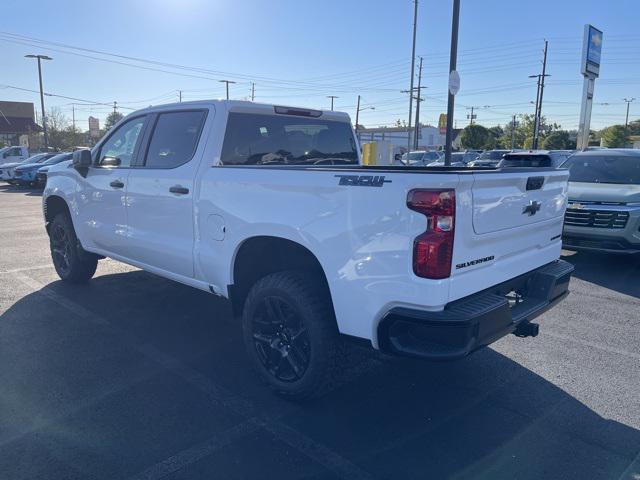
[[527, 329]]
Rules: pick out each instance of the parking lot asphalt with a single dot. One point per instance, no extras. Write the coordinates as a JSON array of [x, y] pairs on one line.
[[135, 377]]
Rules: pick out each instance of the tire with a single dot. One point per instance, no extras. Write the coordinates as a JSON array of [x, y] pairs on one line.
[[72, 263], [291, 335]]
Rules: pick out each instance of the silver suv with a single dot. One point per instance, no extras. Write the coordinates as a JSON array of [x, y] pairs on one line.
[[604, 201]]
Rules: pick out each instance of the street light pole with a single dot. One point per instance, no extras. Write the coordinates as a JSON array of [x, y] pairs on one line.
[[452, 67], [628, 101], [44, 117]]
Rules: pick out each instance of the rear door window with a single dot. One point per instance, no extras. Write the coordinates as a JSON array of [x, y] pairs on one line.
[[174, 139], [258, 139]]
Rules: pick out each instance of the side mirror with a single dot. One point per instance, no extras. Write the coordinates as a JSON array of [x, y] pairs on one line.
[[81, 159], [110, 162]]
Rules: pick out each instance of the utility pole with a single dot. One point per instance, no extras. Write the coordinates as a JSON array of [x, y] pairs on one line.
[[115, 106], [416, 136], [413, 67], [253, 91], [73, 117], [513, 133], [227, 82], [471, 117], [357, 115], [332, 97], [628, 101], [452, 68], [180, 96], [44, 116], [540, 92]]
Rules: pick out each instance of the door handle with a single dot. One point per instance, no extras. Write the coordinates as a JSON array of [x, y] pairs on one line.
[[179, 189], [117, 184]]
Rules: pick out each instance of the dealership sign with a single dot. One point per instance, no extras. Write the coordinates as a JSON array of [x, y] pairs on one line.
[[591, 51]]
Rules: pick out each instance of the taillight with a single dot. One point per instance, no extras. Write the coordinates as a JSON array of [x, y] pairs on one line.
[[433, 249]]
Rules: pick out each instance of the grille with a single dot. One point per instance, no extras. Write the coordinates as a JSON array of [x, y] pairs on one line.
[[596, 218]]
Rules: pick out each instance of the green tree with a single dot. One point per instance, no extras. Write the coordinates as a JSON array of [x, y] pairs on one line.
[[558, 140], [474, 136], [112, 119], [614, 136]]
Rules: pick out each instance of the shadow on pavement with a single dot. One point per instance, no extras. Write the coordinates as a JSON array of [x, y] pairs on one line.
[[28, 191], [78, 401], [616, 272]]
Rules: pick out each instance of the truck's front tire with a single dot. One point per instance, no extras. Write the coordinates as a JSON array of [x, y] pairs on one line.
[[290, 334], [71, 261]]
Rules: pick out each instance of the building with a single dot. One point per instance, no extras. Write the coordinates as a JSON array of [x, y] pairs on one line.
[[429, 137], [17, 124]]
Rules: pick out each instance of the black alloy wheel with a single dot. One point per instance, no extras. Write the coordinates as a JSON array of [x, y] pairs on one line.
[[281, 339]]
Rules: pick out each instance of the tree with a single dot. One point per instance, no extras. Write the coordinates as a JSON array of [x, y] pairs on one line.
[[112, 119], [60, 133], [474, 136], [614, 136], [558, 140]]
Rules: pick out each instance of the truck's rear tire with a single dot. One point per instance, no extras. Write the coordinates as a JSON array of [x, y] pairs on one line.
[[290, 334], [71, 261]]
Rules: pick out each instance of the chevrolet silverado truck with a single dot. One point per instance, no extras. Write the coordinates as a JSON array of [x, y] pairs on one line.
[[270, 207]]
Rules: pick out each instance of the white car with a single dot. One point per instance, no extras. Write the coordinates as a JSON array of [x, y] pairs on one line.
[[13, 154], [270, 207]]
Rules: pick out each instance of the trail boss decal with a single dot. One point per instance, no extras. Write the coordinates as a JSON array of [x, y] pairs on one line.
[[362, 180], [474, 262]]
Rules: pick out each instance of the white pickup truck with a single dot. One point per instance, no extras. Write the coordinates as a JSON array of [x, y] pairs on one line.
[[269, 207]]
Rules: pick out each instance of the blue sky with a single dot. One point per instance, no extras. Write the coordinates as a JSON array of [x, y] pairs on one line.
[[298, 52]]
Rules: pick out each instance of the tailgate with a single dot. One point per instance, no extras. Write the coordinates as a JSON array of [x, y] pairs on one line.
[[504, 228], [510, 199]]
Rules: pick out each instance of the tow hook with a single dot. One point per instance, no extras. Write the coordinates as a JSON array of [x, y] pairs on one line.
[[527, 329]]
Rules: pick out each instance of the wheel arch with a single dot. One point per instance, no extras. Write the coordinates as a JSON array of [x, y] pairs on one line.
[[259, 256], [53, 205]]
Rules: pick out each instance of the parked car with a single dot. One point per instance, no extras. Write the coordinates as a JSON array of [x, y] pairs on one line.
[[270, 207], [490, 158], [604, 201], [458, 159], [13, 154], [41, 174], [419, 158], [7, 169], [535, 158], [26, 174]]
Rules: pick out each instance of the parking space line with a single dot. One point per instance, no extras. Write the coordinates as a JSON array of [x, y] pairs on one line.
[[632, 472], [26, 269], [323, 455], [585, 343], [199, 451]]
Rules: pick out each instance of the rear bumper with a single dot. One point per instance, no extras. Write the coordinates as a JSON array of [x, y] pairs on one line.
[[477, 320]]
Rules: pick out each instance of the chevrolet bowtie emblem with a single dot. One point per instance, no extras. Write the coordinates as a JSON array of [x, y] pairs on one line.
[[532, 208]]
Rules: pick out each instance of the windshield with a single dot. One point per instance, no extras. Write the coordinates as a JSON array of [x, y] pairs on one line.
[[255, 139], [57, 159], [414, 156], [624, 170], [39, 158]]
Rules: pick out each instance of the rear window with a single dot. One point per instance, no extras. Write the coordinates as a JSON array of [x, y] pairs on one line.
[[624, 170], [491, 155], [254, 139], [526, 161]]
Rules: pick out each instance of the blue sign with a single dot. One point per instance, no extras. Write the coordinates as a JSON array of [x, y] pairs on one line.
[[595, 46], [591, 51]]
